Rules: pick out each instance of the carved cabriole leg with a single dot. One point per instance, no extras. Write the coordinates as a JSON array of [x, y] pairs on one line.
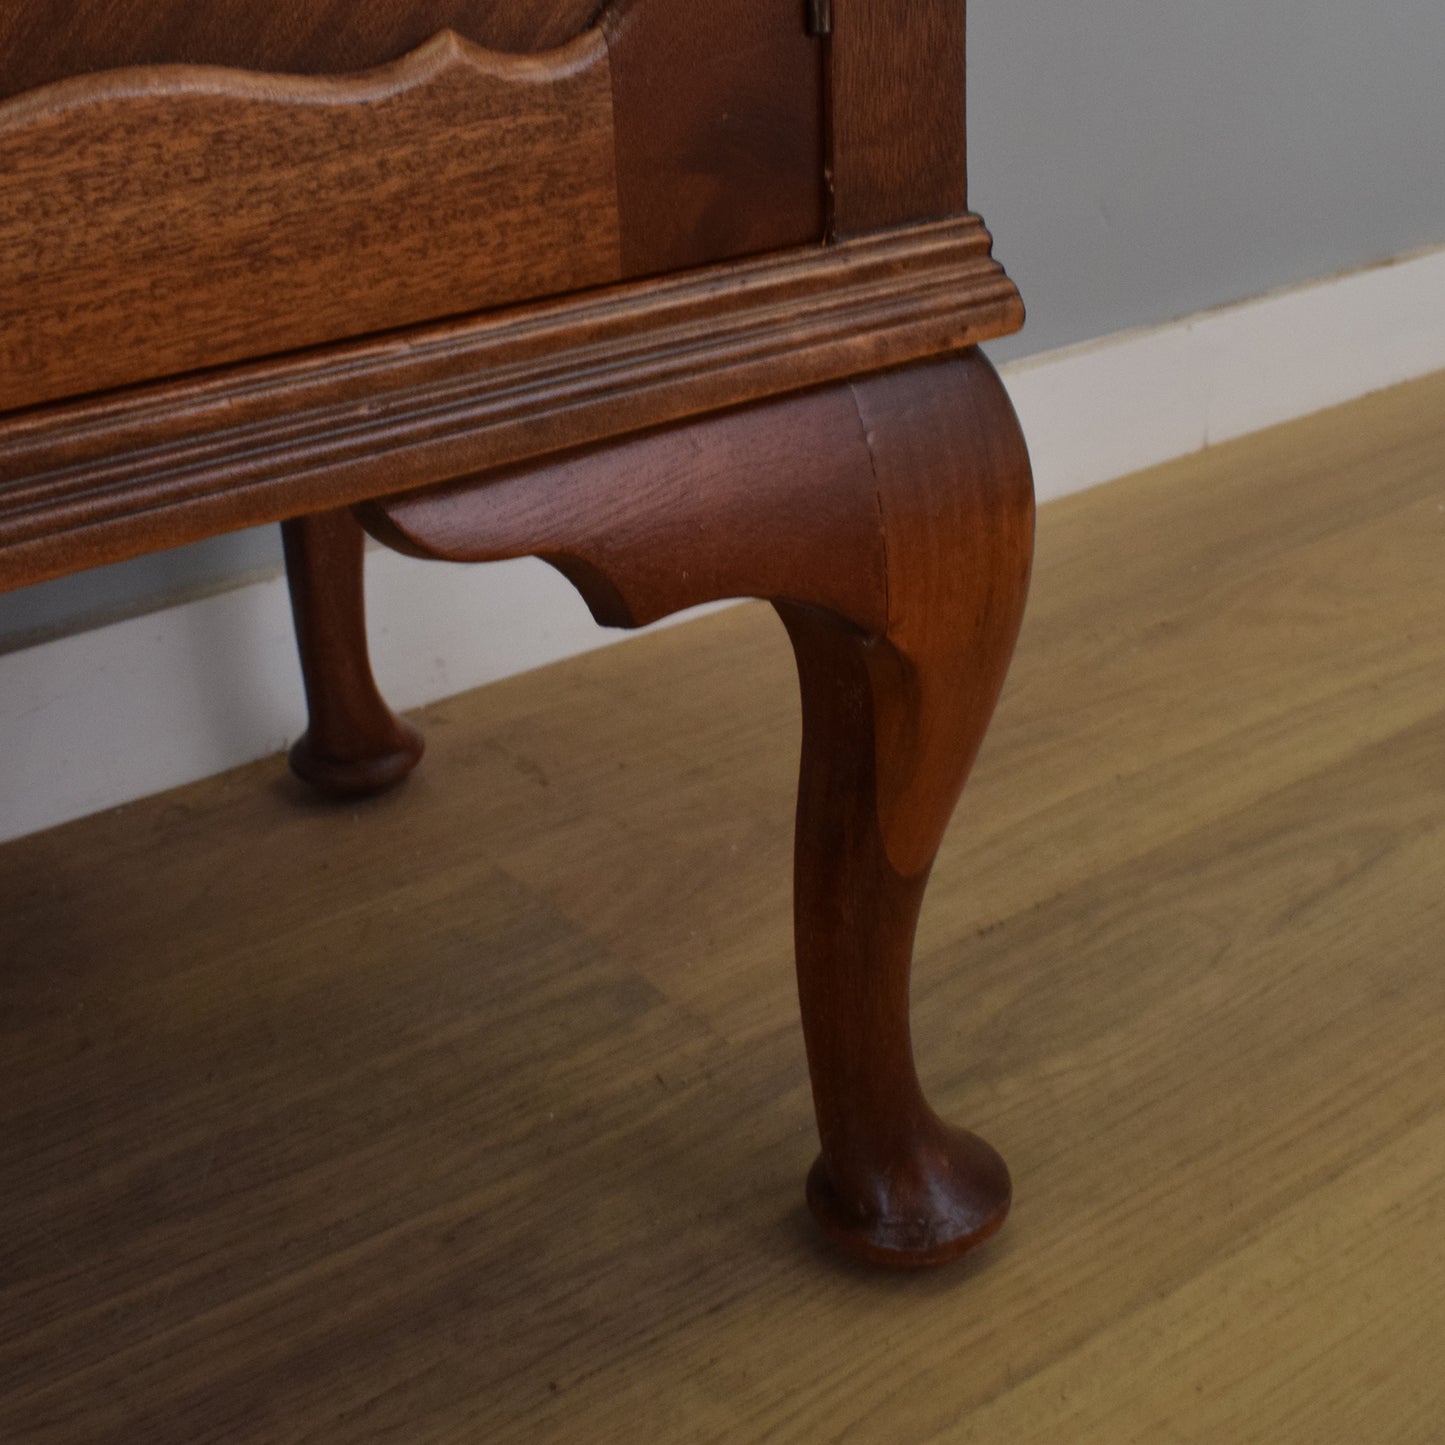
[[891, 522], [355, 744]]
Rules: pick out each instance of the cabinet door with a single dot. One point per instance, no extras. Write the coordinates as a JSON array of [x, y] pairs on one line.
[[161, 220]]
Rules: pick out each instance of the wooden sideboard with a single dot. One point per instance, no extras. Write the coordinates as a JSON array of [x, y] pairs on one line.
[[681, 296]]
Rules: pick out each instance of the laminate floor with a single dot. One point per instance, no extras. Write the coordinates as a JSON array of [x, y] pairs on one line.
[[478, 1113]]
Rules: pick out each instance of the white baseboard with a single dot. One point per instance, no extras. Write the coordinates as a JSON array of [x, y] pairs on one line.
[[102, 717], [1106, 408]]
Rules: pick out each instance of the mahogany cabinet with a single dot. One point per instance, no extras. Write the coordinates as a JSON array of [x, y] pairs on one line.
[[680, 295]]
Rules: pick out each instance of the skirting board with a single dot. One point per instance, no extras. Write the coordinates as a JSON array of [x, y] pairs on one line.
[[1106, 408], [102, 717]]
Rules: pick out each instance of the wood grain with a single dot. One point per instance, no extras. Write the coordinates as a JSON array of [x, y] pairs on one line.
[[285, 1088], [41, 44], [95, 481], [353, 743], [452, 181], [897, 98], [719, 131]]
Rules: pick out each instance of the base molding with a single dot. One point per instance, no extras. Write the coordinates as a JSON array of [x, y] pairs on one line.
[[172, 463], [105, 716]]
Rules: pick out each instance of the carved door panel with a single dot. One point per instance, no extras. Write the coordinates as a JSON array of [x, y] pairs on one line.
[[159, 220]]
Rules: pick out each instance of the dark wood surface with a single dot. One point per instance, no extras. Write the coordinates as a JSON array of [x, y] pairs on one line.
[[44, 42], [892, 522]]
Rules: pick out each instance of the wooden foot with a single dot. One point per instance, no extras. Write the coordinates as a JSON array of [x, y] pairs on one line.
[[355, 744], [891, 523]]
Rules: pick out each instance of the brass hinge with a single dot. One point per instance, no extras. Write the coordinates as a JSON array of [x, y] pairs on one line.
[[820, 17]]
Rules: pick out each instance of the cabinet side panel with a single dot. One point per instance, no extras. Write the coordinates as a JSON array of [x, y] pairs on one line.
[[898, 113], [719, 114]]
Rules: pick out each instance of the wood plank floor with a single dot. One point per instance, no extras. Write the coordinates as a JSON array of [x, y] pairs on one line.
[[478, 1113]]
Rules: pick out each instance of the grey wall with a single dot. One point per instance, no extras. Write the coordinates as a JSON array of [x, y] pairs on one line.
[[1137, 160]]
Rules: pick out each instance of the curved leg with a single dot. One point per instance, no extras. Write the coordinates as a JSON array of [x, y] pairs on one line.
[[891, 523], [355, 744], [893, 1183], [891, 727]]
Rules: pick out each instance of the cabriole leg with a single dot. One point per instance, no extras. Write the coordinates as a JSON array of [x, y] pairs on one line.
[[354, 744], [890, 521]]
